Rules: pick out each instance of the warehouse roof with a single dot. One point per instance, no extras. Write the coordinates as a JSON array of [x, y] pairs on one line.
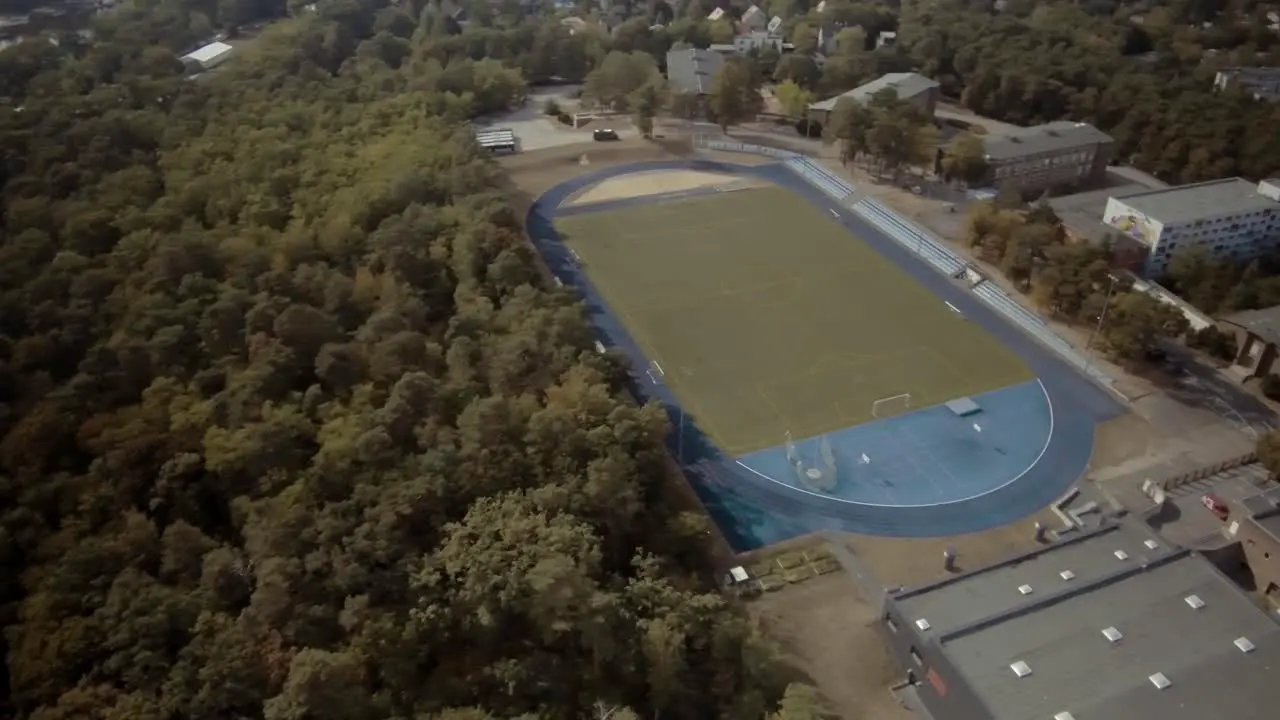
[[907, 85], [1051, 137], [1185, 203], [691, 71], [1076, 628]]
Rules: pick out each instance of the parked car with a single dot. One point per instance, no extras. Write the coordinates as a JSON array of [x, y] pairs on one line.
[[1216, 505], [603, 134]]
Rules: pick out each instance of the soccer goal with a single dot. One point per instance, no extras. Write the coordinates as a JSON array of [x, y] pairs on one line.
[[892, 405]]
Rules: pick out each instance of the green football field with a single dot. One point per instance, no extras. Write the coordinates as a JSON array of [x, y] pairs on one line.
[[766, 317]]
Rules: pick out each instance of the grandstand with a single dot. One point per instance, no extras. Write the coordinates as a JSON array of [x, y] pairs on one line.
[[497, 139]]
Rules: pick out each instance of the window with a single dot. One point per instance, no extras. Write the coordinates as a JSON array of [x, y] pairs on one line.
[[915, 657]]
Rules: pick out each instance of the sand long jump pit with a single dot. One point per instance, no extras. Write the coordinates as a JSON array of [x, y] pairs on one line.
[[657, 182]]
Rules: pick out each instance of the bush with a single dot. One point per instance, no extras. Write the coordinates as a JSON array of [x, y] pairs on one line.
[[1215, 342], [552, 108], [1271, 387]]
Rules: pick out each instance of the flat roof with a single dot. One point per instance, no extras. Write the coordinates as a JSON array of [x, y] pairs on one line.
[[1264, 508], [984, 624], [1058, 136], [957, 601], [1185, 203], [692, 70], [208, 52], [907, 85], [1075, 668], [1265, 323]]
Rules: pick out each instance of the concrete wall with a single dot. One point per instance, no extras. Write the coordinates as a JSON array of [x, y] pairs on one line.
[[1262, 552]]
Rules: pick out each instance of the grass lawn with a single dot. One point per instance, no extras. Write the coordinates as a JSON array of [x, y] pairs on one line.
[[768, 317]]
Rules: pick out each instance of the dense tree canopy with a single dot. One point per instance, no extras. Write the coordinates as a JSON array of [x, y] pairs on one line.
[[292, 428]]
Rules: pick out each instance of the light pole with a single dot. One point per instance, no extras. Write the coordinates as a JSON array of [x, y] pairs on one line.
[[1102, 316]]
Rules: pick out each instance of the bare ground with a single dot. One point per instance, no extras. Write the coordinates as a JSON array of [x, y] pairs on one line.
[[897, 562], [827, 630]]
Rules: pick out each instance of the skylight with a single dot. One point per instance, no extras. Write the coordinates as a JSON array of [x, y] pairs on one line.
[[1067, 575], [1121, 555], [1112, 634], [1021, 669], [1244, 644], [1194, 601], [1160, 681]]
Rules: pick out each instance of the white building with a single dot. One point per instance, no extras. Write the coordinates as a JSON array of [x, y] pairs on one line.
[[209, 56], [1232, 218]]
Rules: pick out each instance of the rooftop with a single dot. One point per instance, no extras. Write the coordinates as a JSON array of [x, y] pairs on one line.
[[1082, 213], [907, 85], [1264, 508], [960, 600], [1185, 203], [1072, 628], [208, 52], [691, 71], [1264, 323], [1051, 137]]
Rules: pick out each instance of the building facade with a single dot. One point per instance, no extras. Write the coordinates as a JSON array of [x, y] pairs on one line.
[[1231, 218], [1046, 157]]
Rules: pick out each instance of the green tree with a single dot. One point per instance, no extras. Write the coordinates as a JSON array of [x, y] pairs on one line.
[[1135, 322], [735, 94], [794, 99], [619, 77], [964, 159]]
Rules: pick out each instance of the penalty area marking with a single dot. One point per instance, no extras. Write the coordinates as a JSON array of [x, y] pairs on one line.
[[1048, 439]]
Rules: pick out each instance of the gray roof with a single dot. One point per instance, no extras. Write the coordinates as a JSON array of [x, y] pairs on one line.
[[1185, 203], [958, 601], [1076, 669], [907, 85], [982, 623], [1264, 323], [1082, 213], [1054, 137], [1264, 508], [691, 71]]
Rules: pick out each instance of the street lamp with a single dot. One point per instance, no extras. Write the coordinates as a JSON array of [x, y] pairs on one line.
[[1102, 316]]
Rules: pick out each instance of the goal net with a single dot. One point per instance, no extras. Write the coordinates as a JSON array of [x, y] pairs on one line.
[[819, 475], [892, 405]]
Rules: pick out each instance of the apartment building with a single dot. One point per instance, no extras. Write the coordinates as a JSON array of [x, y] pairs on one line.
[[1261, 82], [1232, 218], [1056, 155]]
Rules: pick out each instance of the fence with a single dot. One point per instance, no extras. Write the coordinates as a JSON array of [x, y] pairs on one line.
[[1200, 473], [921, 244]]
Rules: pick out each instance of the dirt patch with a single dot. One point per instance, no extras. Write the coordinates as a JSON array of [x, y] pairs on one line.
[[827, 630], [650, 183], [898, 562]]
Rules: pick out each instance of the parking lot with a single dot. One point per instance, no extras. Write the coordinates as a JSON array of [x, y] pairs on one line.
[[535, 130]]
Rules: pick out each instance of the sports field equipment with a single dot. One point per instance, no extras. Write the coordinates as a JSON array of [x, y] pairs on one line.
[[891, 405]]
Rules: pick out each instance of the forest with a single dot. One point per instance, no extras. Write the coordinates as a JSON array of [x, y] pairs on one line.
[[293, 428]]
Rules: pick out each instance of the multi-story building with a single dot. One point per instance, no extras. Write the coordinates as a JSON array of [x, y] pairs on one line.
[[1261, 82], [910, 87], [1055, 155], [1231, 218]]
